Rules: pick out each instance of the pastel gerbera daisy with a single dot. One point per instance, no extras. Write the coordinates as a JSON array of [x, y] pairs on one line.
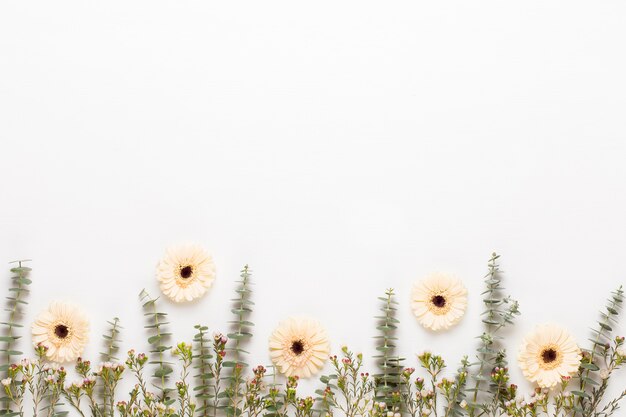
[[548, 354], [63, 329], [186, 272], [299, 347], [439, 301]]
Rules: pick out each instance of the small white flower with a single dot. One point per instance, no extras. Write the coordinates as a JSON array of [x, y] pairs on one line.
[[389, 413], [6, 382], [397, 415], [604, 373], [463, 404], [25, 362], [621, 352], [426, 413]]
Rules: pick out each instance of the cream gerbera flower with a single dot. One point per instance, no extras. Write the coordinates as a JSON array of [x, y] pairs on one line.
[[63, 329], [299, 347], [186, 272], [548, 354], [439, 301]]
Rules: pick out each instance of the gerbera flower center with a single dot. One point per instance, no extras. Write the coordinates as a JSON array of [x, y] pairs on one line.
[[186, 271], [297, 347], [439, 304], [438, 301], [549, 355], [61, 331]]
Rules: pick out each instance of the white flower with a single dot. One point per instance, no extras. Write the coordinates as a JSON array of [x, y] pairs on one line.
[[621, 352], [604, 373], [463, 404], [63, 329], [186, 272], [439, 301], [548, 354], [299, 347], [6, 382]]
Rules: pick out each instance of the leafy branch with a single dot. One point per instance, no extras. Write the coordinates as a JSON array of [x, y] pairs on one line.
[[202, 358], [111, 340], [242, 308], [592, 386], [499, 312], [157, 340], [17, 292], [15, 299], [388, 381]]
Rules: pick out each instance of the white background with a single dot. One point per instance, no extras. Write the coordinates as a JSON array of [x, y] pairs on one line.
[[339, 148]]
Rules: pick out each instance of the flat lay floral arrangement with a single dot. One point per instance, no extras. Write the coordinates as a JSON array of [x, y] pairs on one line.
[[209, 375]]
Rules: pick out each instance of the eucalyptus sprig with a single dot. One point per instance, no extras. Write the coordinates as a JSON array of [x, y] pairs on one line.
[[388, 381], [499, 312], [111, 341], [599, 361], [241, 325], [18, 290], [159, 337], [205, 376]]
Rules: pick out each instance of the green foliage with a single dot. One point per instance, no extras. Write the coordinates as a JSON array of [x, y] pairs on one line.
[[348, 388], [222, 387], [111, 340], [242, 326], [453, 407], [388, 381], [602, 354], [499, 312], [204, 376], [17, 292], [158, 340]]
